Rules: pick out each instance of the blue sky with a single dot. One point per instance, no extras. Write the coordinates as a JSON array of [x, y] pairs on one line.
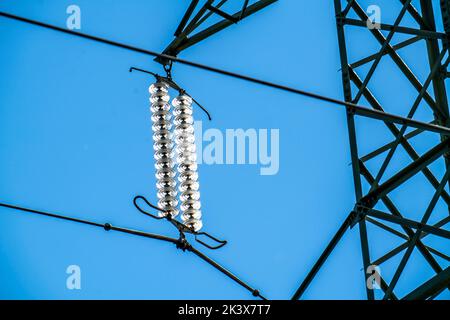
[[75, 138]]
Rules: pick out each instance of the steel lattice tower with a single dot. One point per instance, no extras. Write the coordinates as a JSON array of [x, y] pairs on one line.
[[378, 185]]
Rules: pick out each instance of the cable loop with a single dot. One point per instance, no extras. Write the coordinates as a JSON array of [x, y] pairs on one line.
[[182, 229], [150, 205], [220, 245], [174, 86]]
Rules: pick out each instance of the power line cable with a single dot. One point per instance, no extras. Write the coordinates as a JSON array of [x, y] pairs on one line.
[[181, 243], [351, 107]]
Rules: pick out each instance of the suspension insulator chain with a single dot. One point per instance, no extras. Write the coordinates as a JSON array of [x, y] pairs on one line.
[[163, 149], [186, 159]]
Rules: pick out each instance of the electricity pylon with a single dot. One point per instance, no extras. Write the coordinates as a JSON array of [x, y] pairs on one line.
[[373, 202], [373, 192]]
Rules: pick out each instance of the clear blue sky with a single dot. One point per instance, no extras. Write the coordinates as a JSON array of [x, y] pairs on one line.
[[75, 138]]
